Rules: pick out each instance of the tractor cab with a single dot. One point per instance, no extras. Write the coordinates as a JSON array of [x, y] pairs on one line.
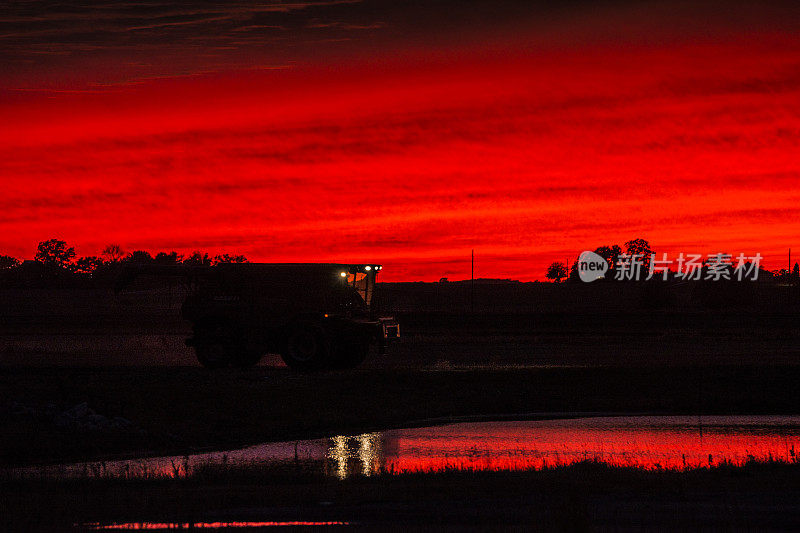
[[360, 278]]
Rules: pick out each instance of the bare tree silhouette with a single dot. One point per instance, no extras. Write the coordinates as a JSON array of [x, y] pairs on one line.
[[556, 271], [113, 253], [139, 257], [226, 258], [8, 262], [197, 258], [640, 247], [88, 265], [54, 252], [611, 255], [168, 258]]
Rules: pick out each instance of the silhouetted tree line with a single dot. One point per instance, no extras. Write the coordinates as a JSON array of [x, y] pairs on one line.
[[612, 256], [57, 263], [783, 275], [641, 247]]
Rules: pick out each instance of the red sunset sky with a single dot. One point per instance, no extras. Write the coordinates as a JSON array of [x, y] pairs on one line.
[[403, 133]]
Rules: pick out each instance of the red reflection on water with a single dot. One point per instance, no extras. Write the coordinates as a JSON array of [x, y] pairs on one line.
[[209, 525], [669, 442], [520, 446]]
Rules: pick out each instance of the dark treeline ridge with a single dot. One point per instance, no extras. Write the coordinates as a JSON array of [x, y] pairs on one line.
[[500, 297], [57, 265], [615, 255], [715, 287]]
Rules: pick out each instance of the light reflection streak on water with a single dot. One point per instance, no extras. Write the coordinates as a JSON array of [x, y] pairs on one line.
[[369, 452], [340, 454], [669, 442], [360, 455]]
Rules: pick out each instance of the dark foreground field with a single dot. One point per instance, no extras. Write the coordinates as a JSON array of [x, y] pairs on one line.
[[121, 337], [183, 409], [187, 409], [584, 496], [150, 397], [124, 365]]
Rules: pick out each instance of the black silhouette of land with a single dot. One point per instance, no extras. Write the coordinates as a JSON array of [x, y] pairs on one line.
[[488, 348]]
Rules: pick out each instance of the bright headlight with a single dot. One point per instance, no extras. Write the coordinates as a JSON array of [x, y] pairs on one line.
[[343, 274], [367, 268]]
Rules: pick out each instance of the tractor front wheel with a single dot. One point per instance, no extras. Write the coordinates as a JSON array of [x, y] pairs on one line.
[[350, 353]]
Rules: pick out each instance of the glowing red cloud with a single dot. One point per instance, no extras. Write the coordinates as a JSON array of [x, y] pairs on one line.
[[413, 161]]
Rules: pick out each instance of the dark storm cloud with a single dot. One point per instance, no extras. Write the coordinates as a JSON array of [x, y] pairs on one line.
[[42, 27], [142, 39], [70, 45]]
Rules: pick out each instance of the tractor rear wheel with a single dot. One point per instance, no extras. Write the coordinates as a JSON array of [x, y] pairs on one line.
[[215, 344], [307, 347], [212, 355]]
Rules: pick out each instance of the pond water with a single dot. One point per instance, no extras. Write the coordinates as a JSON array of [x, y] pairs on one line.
[[648, 442]]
